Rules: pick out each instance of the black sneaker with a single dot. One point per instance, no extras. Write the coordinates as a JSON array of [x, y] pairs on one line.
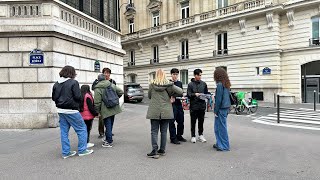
[[162, 152], [153, 154], [175, 141], [182, 139]]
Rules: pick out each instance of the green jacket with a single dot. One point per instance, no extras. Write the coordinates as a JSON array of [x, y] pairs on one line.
[[98, 103], [160, 106]]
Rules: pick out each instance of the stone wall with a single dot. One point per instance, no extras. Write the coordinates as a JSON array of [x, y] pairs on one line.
[[25, 90]]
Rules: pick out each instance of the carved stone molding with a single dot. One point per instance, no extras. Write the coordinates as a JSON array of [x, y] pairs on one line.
[[140, 46], [154, 6], [166, 41], [269, 17], [242, 23], [199, 34], [290, 16]]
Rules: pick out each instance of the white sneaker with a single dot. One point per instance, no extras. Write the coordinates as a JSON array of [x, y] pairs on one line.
[[202, 139], [90, 145], [193, 140]]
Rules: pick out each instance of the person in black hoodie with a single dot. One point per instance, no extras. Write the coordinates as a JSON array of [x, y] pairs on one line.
[[197, 106], [67, 96]]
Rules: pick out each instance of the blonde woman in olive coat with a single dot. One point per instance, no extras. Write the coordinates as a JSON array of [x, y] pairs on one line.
[[160, 110]]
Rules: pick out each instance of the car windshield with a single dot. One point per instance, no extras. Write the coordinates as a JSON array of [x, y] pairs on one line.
[[134, 86]]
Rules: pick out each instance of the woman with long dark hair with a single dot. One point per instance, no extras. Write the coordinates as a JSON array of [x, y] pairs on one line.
[[221, 109], [87, 110]]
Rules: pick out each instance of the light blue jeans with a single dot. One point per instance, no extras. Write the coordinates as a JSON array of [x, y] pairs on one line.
[[221, 131], [76, 121]]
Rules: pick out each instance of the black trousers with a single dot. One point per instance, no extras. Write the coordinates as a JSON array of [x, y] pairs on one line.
[[197, 114], [89, 126], [179, 118]]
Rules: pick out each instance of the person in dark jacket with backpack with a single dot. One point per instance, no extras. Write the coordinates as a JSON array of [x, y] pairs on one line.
[[160, 110], [67, 97], [197, 105], [106, 92], [221, 109]]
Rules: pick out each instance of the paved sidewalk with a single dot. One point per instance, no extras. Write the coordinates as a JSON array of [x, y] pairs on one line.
[[257, 152]]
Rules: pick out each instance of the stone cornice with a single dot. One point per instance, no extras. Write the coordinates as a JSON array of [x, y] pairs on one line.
[[203, 60]]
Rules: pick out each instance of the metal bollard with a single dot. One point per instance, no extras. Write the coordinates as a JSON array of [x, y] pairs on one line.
[[314, 101], [278, 108], [274, 100]]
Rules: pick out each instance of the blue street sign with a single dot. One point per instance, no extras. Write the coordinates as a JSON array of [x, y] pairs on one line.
[[36, 57], [266, 71]]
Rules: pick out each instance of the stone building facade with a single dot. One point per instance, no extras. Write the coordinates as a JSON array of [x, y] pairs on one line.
[[267, 46], [66, 36]]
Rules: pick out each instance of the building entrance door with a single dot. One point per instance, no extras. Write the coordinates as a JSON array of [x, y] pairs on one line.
[[312, 85]]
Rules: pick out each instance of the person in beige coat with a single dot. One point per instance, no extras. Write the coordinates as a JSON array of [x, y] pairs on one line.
[[160, 110]]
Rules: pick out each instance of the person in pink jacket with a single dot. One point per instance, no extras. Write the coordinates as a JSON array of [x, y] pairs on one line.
[[87, 110]]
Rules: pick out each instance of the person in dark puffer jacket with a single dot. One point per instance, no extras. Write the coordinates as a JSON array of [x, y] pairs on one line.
[[66, 95]]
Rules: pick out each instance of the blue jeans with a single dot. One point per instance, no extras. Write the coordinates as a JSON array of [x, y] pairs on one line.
[[108, 123], [220, 130], [75, 120]]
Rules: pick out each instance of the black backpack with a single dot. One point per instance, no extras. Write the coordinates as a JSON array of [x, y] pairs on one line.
[[110, 97]]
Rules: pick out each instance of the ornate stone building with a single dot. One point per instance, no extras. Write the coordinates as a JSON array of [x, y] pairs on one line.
[[63, 35], [267, 46]]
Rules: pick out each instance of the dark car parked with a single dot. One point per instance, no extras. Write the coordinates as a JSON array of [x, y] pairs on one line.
[[133, 92]]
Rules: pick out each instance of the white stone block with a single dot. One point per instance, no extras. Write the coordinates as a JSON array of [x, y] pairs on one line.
[[11, 91], [4, 75], [102, 56], [11, 121], [73, 61], [91, 53], [45, 43], [41, 90], [4, 44], [81, 77], [53, 120], [91, 76], [55, 11], [55, 74], [45, 75], [22, 44], [79, 50], [4, 10], [35, 121], [58, 60], [23, 74], [46, 9], [86, 64], [46, 106], [4, 106], [60, 45], [23, 106], [10, 59], [110, 58]]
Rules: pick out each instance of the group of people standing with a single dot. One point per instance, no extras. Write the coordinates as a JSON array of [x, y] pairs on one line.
[[165, 109], [77, 108]]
